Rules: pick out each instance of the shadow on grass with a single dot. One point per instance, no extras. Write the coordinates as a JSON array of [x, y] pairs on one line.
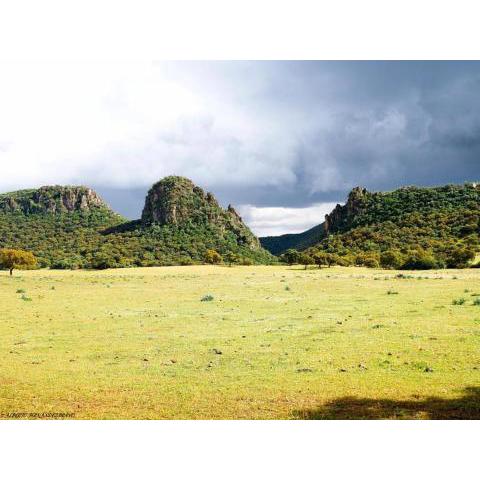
[[466, 407]]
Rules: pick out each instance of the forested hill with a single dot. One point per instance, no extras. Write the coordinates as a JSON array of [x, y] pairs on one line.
[[72, 227], [299, 241], [434, 220]]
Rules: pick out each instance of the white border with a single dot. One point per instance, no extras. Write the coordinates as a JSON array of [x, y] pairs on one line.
[[238, 449], [247, 29], [220, 29]]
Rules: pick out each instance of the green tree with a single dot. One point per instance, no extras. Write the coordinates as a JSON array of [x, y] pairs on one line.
[[11, 259], [368, 259], [320, 259], [291, 256], [305, 259]]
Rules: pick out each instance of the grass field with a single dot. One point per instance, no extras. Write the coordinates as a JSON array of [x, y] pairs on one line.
[[274, 343]]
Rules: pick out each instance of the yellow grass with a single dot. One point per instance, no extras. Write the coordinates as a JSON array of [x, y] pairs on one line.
[[330, 343]]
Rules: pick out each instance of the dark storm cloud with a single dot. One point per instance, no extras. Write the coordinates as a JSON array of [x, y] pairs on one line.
[[377, 124], [267, 134]]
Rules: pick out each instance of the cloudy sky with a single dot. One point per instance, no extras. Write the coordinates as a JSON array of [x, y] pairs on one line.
[[281, 141]]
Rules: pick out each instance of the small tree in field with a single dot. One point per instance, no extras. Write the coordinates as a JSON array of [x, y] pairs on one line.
[[11, 259], [320, 259], [291, 256], [305, 260], [213, 257]]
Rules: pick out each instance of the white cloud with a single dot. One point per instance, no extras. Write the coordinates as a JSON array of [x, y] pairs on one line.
[[277, 133], [127, 125], [270, 221]]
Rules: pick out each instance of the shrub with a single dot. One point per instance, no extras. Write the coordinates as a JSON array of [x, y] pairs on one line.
[[212, 257], [207, 298], [460, 257], [459, 301], [420, 260], [246, 261], [232, 258], [476, 302], [370, 260], [185, 261], [391, 259]]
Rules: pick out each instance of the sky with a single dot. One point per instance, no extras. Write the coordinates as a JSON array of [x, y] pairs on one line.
[[281, 141]]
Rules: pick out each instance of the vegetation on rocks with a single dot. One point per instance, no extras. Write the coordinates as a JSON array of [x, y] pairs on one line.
[[410, 228], [71, 227]]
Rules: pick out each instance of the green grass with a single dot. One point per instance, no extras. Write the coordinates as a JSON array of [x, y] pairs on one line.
[[139, 343]]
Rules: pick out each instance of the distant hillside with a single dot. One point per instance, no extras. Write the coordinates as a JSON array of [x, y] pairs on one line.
[[435, 220], [72, 227], [299, 241]]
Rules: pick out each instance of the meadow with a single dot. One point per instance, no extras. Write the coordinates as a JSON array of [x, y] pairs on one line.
[[243, 342]]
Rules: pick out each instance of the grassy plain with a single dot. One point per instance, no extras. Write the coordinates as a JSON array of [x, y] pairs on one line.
[[275, 342]]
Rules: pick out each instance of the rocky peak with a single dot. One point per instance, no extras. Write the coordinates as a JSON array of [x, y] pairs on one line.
[[178, 201], [51, 199], [342, 215]]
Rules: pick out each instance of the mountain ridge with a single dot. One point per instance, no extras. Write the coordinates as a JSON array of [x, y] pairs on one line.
[[428, 221], [72, 227]]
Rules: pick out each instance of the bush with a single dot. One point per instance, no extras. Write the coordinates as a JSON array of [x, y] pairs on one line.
[[246, 261], [370, 260], [207, 298], [184, 261], [459, 301], [213, 257], [460, 257], [102, 261], [391, 259], [232, 258], [420, 260], [66, 264]]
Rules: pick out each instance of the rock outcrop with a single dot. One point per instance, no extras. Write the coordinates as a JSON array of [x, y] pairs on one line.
[[341, 216], [51, 200], [178, 201]]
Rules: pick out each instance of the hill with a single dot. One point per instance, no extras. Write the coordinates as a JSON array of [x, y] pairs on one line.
[[72, 227], [433, 223], [299, 241]]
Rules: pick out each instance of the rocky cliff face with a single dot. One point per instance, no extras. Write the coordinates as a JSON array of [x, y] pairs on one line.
[[51, 200], [178, 201], [342, 215]]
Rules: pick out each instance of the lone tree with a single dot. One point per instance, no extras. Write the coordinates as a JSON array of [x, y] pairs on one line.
[[213, 257], [305, 260], [291, 256], [11, 258], [320, 259]]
